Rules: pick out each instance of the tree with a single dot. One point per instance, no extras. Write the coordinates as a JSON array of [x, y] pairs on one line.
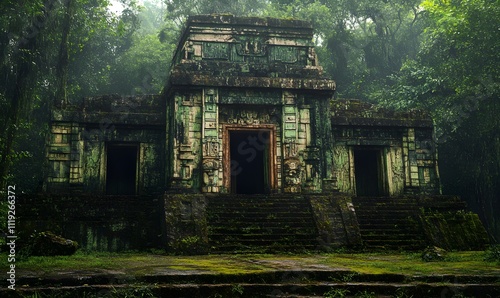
[[360, 43], [179, 10], [20, 65], [457, 76], [40, 44]]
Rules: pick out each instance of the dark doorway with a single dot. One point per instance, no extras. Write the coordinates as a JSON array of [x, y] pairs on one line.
[[121, 169], [250, 161], [369, 172]]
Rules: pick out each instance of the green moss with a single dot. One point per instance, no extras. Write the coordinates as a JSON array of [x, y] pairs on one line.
[[376, 263], [454, 230]]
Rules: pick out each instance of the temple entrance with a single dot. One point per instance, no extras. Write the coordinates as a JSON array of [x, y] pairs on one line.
[[121, 169], [369, 172], [250, 161]]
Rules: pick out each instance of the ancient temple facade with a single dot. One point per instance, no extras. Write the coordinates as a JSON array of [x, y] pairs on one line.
[[249, 111], [246, 111]]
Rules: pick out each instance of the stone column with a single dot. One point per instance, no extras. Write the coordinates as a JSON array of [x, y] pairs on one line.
[[292, 164], [211, 142]]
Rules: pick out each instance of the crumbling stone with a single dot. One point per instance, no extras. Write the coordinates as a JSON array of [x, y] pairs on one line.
[[49, 244], [434, 253]]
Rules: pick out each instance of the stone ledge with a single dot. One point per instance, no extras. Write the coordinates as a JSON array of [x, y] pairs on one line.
[[192, 78]]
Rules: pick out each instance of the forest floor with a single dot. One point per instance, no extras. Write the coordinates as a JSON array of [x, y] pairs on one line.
[[387, 269], [137, 263]]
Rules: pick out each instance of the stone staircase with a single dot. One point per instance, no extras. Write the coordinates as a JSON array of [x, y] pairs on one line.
[[309, 283], [389, 223], [260, 223]]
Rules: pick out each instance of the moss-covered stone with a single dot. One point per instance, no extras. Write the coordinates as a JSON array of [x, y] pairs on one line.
[[186, 223], [49, 244], [336, 221], [454, 230]]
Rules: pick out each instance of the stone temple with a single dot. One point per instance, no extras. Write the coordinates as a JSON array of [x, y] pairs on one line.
[[246, 149]]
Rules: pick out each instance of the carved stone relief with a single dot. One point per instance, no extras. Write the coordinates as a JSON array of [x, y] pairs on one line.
[[211, 147], [215, 50], [290, 148], [292, 169], [250, 116], [210, 174], [251, 46]]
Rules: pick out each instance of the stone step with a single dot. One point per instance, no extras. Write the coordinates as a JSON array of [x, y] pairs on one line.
[[261, 236], [369, 211], [267, 221], [228, 247], [266, 209], [399, 221], [391, 238], [389, 223], [251, 213], [256, 230], [386, 209], [395, 245], [252, 206], [256, 223], [398, 230], [282, 289]]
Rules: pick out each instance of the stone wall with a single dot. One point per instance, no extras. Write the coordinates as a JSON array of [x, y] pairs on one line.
[[107, 223], [81, 133], [185, 222], [405, 140]]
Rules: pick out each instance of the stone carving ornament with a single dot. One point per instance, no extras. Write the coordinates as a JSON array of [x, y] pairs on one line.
[[251, 46], [250, 117], [292, 175]]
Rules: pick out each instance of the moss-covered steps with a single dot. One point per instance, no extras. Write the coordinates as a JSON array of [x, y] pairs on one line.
[[260, 223], [288, 283], [389, 223]]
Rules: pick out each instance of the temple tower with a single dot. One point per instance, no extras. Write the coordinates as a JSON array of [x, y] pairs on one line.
[[248, 108]]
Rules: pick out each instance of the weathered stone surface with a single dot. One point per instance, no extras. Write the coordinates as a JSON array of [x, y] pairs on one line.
[[186, 223], [336, 221], [404, 143], [359, 113], [433, 254], [49, 244], [82, 133], [457, 230], [96, 222]]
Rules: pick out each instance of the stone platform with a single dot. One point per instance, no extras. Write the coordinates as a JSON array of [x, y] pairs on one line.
[[259, 276]]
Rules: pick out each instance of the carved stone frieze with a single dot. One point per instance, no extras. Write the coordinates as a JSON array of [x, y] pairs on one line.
[[250, 116], [251, 46]]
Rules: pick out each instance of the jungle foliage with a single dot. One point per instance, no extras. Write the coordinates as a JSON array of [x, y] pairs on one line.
[[439, 55]]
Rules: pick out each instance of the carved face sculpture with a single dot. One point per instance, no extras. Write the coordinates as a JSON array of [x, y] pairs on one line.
[[292, 172], [292, 168]]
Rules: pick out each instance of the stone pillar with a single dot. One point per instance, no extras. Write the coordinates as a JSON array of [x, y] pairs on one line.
[[211, 142], [186, 142], [410, 159], [75, 166], [291, 162]]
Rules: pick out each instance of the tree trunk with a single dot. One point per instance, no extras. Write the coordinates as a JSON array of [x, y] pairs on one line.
[[21, 95], [63, 59]]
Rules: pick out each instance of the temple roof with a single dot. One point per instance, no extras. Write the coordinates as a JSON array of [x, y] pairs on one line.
[[229, 51], [359, 113]]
